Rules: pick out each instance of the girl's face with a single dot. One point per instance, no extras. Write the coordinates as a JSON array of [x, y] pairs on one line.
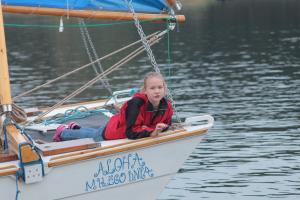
[[155, 90]]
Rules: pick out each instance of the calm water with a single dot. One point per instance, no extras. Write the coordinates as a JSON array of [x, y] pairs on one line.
[[238, 60]]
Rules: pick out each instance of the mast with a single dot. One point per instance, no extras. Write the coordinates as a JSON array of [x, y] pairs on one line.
[[5, 93], [18, 143]]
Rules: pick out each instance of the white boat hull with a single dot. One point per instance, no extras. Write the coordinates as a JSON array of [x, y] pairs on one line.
[[137, 174]]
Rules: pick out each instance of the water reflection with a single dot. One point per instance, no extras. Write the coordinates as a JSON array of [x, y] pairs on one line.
[[237, 60]]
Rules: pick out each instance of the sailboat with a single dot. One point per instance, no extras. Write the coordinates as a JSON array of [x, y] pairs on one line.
[[33, 167]]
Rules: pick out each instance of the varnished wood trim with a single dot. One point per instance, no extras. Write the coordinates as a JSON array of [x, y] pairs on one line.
[[128, 146], [15, 139], [28, 154], [55, 148], [171, 2], [91, 14], [109, 150], [106, 147], [8, 170], [7, 156]]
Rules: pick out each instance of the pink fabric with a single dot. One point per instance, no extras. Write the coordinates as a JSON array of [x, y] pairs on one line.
[[59, 130], [73, 125]]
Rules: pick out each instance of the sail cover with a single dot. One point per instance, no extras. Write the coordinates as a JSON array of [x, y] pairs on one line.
[[144, 6]]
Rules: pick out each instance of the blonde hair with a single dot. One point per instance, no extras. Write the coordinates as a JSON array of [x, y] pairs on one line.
[[150, 75]]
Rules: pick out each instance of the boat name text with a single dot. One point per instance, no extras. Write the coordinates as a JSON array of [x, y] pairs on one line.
[[126, 169]]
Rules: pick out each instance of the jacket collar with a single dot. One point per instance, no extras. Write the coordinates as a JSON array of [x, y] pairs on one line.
[[163, 104]]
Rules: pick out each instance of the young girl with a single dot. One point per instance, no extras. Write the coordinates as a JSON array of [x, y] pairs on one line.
[[146, 114]]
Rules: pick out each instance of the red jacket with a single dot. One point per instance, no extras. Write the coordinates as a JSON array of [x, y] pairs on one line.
[[137, 118]]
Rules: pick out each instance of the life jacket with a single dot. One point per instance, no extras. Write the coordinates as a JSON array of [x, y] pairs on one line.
[[137, 118]]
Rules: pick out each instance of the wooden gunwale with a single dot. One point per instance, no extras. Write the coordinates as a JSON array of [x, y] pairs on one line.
[[91, 14], [106, 147], [128, 146], [8, 170], [109, 150]]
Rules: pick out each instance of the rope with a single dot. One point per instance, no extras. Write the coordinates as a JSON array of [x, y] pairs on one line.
[[78, 26], [88, 42], [5, 142], [23, 132], [71, 114], [82, 67], [169, 53], [18, 174], [18, 114], [68, 9], [98, 77]]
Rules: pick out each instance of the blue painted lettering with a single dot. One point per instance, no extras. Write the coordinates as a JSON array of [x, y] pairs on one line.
[[126, 169]]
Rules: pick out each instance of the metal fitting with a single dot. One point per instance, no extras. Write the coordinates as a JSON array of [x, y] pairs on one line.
[[7, 108], [178, 5]]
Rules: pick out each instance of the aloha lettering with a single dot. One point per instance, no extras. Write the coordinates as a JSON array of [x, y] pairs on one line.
[[119, 170]]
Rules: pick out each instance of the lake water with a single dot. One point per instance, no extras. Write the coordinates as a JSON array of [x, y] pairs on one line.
[[238, 60]]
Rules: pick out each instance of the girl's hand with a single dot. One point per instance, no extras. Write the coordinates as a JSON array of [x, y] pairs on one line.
[[159, 127]]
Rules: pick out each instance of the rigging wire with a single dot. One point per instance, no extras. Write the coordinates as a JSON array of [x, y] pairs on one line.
[[149, 51], [88, 43], [155, 34], [97, 78], [145, 44]]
